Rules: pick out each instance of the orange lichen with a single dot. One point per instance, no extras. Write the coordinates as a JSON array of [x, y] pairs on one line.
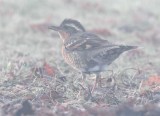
[[153, 80], [48, 69]]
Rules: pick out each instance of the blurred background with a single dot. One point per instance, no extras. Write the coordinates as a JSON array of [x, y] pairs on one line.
[[26, 40]]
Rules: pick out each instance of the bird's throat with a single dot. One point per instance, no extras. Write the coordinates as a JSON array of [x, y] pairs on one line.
[[63, 35]]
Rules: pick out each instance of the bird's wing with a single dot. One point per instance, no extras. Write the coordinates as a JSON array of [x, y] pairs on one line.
[[107, 54], [84, 41]]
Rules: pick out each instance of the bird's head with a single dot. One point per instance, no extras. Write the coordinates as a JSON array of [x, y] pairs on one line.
[[68, 27]]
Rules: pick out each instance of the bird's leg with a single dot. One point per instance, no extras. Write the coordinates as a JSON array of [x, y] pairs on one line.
[[91, 89], [99, 81], [83, 77], [96, 81]]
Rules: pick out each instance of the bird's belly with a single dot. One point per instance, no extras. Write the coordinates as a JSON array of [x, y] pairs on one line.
[[73, 59], [79, 62], [98, 68], [94, 69]]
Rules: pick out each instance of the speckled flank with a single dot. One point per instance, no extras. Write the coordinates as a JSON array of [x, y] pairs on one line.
[[73, 59]]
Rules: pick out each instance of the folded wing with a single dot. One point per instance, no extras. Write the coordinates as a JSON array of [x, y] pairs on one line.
[[107, 54], [84, 41]]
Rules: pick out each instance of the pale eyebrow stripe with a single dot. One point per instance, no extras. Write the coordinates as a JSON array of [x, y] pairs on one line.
[[74, 26]]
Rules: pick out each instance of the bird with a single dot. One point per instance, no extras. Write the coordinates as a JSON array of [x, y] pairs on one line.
[[85, 51]]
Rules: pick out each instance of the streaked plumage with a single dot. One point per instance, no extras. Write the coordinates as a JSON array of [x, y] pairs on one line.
[[85, 51]]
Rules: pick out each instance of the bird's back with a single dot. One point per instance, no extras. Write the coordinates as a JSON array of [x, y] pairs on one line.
[[89, 53]]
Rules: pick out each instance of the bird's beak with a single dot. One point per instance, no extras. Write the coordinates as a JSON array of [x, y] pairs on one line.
[[55, 28]]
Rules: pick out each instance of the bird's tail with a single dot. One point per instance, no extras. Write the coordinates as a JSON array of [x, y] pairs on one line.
[[126, 48], [131, 47]]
